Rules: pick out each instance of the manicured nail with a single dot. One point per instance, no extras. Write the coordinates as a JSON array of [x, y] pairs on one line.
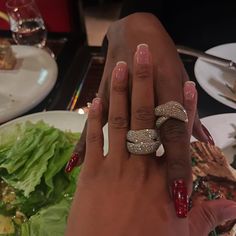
[[180, 197], [189, 90], [120, 70], [95, 103], [208, 135], [72, 162], [143, 56]]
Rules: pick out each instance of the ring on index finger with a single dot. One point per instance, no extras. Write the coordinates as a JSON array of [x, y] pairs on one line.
[[169, 110]]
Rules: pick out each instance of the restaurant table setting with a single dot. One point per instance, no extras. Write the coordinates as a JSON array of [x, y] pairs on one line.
[[53, 82]]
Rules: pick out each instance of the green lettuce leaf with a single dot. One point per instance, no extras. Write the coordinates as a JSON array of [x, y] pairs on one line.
[[32, 161], [48, 221], [29, 159]]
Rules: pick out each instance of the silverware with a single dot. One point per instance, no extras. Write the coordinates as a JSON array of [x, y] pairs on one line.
[[207, 57], [230, 98]]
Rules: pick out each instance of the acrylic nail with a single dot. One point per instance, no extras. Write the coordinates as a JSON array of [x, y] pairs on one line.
[[189, 90], [95, 103], [143, 56], [180, 197], [208, 135], [72, 162], [120, 70]]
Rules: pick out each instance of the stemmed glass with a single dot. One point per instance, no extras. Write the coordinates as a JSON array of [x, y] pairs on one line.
[[26, 23]]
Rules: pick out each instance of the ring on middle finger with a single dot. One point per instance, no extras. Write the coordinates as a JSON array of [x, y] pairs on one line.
[[143, 135], [141, 142]]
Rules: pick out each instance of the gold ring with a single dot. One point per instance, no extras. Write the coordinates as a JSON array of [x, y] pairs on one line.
[[144, 135], [143, 148], [169, 110], [142, 142]]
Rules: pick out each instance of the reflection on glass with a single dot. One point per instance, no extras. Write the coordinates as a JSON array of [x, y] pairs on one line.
[[26, 23]]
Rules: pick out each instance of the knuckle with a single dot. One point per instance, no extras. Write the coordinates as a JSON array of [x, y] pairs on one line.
[[143, 72], [118, 122], [144, 113], [119, 88], [94, 137], [175, 165], [173, 131], [93, 115], [209, 215]]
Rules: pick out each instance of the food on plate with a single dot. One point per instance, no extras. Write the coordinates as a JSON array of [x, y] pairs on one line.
[[35, 191], [214, 178], [6, 226], [234, 87], [233, 164], [210, 160], [232, 95], [7, 57]]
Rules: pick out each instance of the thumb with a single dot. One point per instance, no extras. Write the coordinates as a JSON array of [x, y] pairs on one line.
[[204, 218]]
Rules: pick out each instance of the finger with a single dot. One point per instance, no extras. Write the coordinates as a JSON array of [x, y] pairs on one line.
[[94, 137], [77, 156], [200, 132], [175, 140], [114, 54], [190, 103], [204, 218], [142, 101], [118, 119]]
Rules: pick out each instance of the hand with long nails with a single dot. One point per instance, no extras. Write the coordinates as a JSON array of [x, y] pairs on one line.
[[169, 72], [130, 194]]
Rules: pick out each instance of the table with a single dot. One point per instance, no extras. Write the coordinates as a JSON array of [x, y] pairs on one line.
[[73, 57], [80, 71], [206, 104]]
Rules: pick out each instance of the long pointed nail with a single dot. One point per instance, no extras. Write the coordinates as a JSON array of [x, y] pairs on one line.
[[189, 90], [143, 56], [72, 162], [120, 70], [209, 137], [180, 197]]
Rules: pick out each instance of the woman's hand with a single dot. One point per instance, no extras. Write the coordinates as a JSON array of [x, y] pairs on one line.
[[127, 194], [169, 76]]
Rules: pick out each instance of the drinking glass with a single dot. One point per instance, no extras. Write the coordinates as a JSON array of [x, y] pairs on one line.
[[26, 23]]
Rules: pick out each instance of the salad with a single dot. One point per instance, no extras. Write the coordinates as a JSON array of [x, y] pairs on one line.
[[35, 192]]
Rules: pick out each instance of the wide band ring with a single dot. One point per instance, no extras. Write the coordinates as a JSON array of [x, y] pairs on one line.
[[144, 135], [143, 148], [169, 110]]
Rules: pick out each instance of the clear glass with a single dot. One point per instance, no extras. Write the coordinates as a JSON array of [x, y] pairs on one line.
[[26, 22]]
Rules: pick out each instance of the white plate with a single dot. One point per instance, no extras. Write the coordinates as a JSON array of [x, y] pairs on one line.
[[28, 84], [223, 129], [63, 120], [213, 78]]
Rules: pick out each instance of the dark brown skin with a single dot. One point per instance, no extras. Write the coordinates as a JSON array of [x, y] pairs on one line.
[[127, 194], [169, 76]]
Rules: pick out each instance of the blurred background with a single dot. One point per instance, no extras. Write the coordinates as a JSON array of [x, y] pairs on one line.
[[99, 14]]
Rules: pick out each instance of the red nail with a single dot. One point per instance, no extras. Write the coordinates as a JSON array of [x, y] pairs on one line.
[[72, 162], [209, 137], [180, 196]]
